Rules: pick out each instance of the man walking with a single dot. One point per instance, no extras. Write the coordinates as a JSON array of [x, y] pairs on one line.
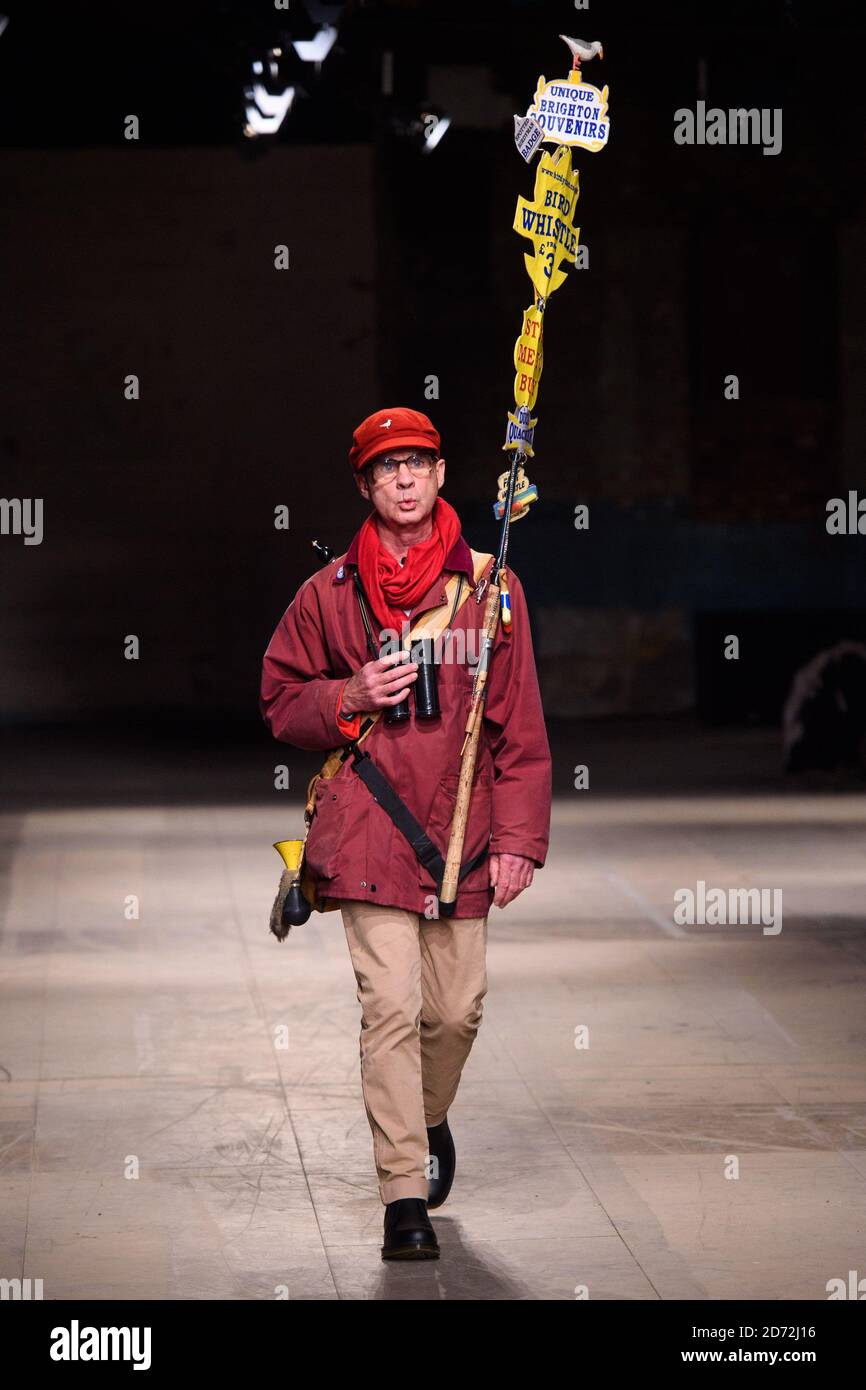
[[421, 979]]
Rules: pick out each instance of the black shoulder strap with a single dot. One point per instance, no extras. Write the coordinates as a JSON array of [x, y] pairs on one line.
[[382, 792]]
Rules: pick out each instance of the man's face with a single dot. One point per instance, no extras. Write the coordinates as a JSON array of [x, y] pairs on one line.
[[399, 495]]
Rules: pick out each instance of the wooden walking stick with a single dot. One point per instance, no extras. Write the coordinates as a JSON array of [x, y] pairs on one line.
[[564, 113]]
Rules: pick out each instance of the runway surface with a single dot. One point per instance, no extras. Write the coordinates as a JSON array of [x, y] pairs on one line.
[[180, 1101]]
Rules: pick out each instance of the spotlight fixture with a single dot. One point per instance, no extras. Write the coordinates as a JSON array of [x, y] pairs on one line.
[[266, 109], [316, 49], [422, 128], [435, 126]]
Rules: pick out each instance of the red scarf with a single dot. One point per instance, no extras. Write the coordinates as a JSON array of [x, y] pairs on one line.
[[392, 587]]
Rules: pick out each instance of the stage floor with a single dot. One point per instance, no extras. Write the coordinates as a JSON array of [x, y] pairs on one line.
[[158, 1140]]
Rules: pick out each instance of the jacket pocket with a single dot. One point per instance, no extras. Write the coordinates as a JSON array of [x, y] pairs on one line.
[[326, 837], [478, 827]]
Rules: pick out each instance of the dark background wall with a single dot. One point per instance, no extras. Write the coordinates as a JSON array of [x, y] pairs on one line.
[[156, 257], [159, 512]]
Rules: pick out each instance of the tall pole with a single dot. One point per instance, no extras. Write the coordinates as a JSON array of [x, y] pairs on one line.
[[563, 112]]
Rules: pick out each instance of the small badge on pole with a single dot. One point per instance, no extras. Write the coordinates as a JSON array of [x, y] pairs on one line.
[[525, 493], [528, 135], [521, 431]]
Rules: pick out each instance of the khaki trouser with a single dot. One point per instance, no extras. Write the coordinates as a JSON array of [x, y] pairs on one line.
[[420, 986]]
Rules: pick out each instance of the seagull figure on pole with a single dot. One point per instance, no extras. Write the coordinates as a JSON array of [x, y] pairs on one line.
[[582, 52]]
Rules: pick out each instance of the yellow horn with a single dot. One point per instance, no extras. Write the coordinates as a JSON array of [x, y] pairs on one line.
[[290, 852], [292, 906]]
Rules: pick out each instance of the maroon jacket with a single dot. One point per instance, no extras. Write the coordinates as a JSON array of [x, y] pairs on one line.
[[354, 849]]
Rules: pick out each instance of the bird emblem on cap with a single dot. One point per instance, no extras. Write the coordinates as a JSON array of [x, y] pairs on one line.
[[386, 424]]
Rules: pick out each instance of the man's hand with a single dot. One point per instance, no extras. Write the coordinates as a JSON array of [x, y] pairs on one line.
[[380, 683], [509, 875]]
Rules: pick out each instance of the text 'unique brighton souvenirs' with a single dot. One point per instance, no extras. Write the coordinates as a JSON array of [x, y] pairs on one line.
[[569, 110]]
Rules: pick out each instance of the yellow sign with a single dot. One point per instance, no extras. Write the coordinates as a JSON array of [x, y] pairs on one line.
[[528, 357], [566, 112], [548, 221]]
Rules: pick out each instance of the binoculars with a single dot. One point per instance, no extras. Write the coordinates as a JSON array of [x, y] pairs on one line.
[[424, 688], [421, 650]]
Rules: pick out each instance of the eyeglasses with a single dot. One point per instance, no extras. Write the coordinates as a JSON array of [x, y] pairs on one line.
[[384, 469]]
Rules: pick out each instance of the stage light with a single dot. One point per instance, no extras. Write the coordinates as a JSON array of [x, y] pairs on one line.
[[266, 107], [316, 50], [436, 131], [266, 111], [423, 129]]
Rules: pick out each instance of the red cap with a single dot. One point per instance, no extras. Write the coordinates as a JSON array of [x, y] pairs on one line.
[[397, 428]]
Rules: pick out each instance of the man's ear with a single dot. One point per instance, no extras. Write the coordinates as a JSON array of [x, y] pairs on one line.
[[362, 485]]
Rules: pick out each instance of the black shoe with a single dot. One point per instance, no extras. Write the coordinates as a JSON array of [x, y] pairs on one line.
[[409, 1233], [441, 1147]]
